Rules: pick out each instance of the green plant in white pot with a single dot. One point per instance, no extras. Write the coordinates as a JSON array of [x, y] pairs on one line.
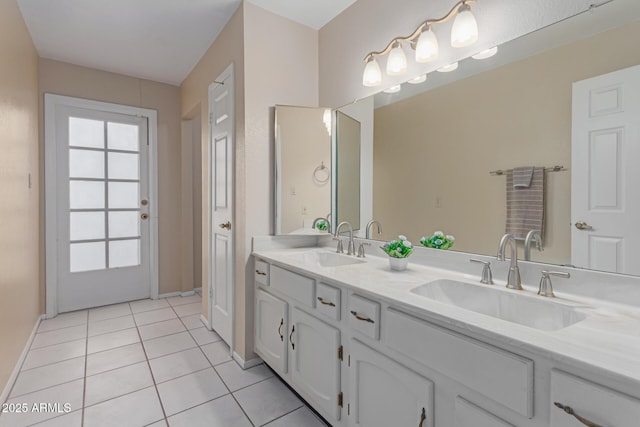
[[398, 251]]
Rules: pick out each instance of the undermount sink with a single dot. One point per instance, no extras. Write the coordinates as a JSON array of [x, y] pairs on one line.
[[325, 259], [540, 314]]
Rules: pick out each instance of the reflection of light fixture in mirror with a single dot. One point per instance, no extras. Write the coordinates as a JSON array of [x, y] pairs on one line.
[[465, 29], [372, 75], [418, 80], [448, 68], [463, 33], [326, 119], [397, 61], [488, 53], [393, 89]]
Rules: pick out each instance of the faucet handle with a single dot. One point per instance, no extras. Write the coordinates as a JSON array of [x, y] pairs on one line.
[[487, 276], [546, 288], [361, 249]]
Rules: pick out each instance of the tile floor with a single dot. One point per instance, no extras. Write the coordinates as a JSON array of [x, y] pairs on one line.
[[145, 363]]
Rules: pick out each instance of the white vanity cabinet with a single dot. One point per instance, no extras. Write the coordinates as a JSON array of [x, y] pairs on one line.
[[384, 393], [271, 325]]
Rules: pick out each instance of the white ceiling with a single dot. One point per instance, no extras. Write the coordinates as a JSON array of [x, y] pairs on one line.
[[159, 40]]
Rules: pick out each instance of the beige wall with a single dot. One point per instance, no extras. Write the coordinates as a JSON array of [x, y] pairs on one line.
[[447, 140], [72, 80], [19, 206]]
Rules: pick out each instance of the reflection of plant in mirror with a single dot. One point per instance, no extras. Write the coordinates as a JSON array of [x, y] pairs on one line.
[[400, 248], [322, 225], [438, 241]]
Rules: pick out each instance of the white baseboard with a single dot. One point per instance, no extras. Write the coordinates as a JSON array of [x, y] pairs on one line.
[[16, 369], [188, 293], [246, 364], [197, 291], [181, 294], [205, 321], [169, 295]]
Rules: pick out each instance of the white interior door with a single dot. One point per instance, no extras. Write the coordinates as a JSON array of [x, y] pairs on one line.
[[98, 208], [221, 144], [605, 204]]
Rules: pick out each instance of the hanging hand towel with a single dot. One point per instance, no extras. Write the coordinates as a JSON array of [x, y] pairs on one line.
[[522, 177], [525, 206]]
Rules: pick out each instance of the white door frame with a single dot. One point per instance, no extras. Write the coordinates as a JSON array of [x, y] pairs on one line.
[[227, 77], [51, 102]]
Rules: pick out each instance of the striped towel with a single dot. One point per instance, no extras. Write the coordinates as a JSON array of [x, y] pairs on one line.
[[525, 206]]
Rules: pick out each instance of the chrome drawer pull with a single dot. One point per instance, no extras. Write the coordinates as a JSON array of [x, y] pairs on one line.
[[325, 302], [261, 273], [364, 319], [280, 330], [569, 410], [422, 418]]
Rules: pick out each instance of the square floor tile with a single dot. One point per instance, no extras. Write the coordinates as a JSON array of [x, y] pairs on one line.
[[160, 329], [175, 301], [59, 336], [115, 358], [112, 340], [72, 419], [302, 417], [221, 412], [154, 316], [109, 312], [217, 352], [111, 325], [191, 390], [267, 400], [47, 376], [162, 423], [178, 364], [148, 305], [64, 320], [136, 409], [236, 378], [54, 353], [193, 322], [188, 309], [204, 336], [117, 382], [169, 344], [68, 393]]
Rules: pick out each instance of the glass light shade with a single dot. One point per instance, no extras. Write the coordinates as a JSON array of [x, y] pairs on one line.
[[486, 53], [393, 89], [372, 75], [418, 80], [465, 29], [427, 46], [448, 68], [397, 61]]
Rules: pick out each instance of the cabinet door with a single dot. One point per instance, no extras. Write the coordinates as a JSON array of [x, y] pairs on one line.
[[315, 366], [271, 326], [384, 393]]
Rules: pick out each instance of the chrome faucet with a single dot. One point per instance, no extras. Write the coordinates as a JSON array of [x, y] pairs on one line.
[[513, 278], [369, 225], [315, 222], [351, 249], [533, 235]]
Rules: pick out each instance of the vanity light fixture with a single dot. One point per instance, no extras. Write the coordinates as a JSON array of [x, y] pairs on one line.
[[425, 43], [448, 68], [488, 53], [418, 80], [393, 89]]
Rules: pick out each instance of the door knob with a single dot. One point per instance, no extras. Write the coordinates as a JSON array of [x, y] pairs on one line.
[[226, 225], [144, 202], [144, 216], [581, 225]]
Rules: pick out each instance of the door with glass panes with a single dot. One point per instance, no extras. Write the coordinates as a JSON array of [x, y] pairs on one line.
[[102, 208]]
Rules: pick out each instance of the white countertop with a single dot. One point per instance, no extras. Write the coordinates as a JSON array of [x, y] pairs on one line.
[[606, 342]]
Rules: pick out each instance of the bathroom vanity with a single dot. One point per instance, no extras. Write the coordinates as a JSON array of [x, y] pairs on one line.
[[432, 346]]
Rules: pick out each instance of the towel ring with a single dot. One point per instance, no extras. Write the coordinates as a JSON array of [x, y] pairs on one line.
[[321, 174]]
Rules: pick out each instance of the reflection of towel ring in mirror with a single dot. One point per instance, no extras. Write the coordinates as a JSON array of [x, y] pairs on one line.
[[321, 174]]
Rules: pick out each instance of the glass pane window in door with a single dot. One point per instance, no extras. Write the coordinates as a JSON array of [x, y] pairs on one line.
[[124, 253], [124, 195], [87, 256], [124, 166], [86, 164], [86, 195], [86, 225], [86, 133], [122, 136], [124, 224]]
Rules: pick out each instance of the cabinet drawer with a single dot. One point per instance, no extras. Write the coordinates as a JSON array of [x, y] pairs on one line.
[[293, 285], [501, 376], [596, 403], [328, 300], [364, 316], [469, 415], [262, 272]]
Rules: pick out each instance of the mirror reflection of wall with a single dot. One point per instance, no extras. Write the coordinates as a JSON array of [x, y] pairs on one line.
[[347, 188], [303, 168]]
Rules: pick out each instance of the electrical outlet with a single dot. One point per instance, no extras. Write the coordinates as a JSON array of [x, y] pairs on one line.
[[438, 203]]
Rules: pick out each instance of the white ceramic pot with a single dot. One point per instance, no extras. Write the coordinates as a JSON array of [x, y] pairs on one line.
[[398, 264]]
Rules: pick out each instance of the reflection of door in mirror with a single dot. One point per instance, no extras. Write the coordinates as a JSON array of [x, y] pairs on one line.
[[303, 168], [347, 188]]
